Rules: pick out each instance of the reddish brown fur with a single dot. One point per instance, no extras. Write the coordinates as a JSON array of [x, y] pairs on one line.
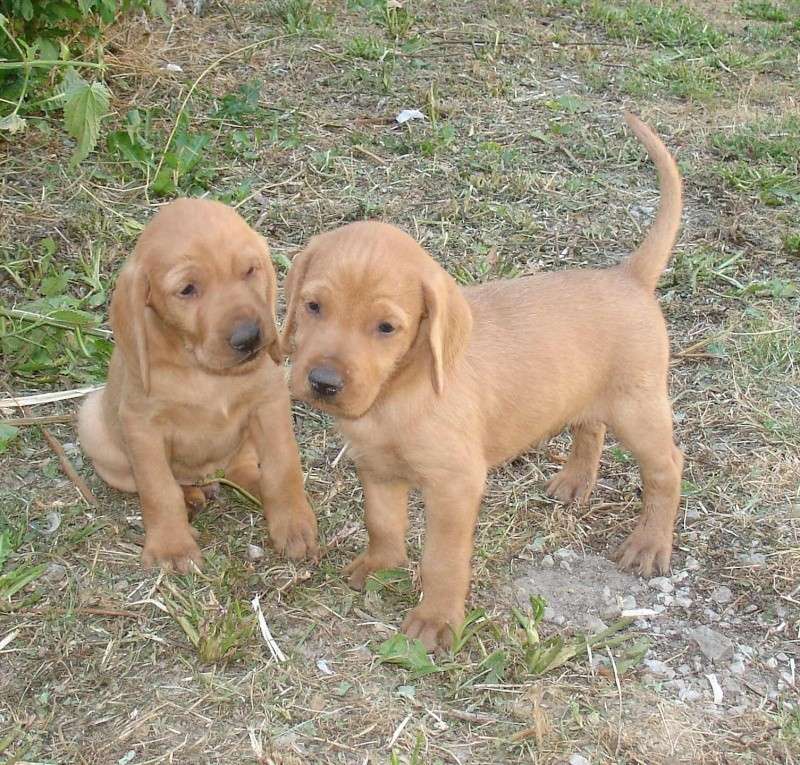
[[181, 402], [472, 377]]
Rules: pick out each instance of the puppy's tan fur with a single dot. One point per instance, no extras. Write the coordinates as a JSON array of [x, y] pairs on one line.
[[471, 377], [181, 402]]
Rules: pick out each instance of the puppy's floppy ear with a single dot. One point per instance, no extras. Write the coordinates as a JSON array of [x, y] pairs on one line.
[[292, 287], [129, 307], [449, 323], [273, 343]]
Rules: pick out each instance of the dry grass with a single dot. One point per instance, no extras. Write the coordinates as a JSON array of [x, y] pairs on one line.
[[522, 166]]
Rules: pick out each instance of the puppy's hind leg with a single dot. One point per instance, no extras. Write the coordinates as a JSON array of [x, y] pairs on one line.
[[644, 425], [575, 481]]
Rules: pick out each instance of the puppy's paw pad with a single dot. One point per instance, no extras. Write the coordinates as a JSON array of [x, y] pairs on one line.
[[295, 535], [432, 627], [645, 553], [359, 570], [568, 486], [172, 551]]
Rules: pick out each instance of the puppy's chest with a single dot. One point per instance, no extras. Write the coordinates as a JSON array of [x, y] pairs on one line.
[[380, 451], [206, 424]]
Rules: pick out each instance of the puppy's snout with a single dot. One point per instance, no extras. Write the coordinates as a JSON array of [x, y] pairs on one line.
[[325, 382], [246, 337]]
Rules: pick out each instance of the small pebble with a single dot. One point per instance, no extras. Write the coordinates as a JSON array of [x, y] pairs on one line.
[[737, 666], [254, 552], [659, 668], [689, 694], [781, 656], [565, 565], [548, 562], [628, 603], [661, 583], [566, 554], [692, 564], [55, 572], [667, 600], [683, 602], [595, 624], [722, 595], [578, 759]]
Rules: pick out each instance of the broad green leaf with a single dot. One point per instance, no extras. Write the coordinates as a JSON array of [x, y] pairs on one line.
[[7, 434], [84, 108], [407, 653]]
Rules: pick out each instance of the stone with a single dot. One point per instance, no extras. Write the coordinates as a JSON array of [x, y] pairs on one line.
[[659, 668], [737, 666], [661, 583], [564, 553], [692, 564], [628, 603], [578, 759], [689, 694], [722, 595], [713, 645], [548, 562], [254, 552], [683, 602], [753, 559], [594, 624], [55, 572]]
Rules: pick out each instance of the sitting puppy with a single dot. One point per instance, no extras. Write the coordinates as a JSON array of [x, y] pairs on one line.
[[195, 383], [432, 385]]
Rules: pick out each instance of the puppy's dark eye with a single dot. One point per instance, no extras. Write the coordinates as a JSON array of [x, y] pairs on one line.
[[250, 271], [188, 291], [385, 328], [313, 306]]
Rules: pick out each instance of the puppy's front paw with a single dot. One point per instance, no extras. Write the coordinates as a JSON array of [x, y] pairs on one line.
[[433, 625], [571, 486], [174, 549], [368, 563], [645, 551], [294, 533]]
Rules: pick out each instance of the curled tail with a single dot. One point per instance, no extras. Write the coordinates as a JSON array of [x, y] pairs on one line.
[[650, 258]]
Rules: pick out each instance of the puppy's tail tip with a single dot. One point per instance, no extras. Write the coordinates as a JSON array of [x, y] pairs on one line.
[[650, 258]]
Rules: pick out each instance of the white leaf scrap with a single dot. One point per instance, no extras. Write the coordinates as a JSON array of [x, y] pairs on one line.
[[715, 688], [409, 114], [274, 649]]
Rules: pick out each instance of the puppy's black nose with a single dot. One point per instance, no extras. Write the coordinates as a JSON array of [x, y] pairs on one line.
[[325, 381], [245, 337]]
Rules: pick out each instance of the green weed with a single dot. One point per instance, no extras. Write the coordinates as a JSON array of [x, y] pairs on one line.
[[366, 47], [667, 23], [761, 10], [673, 74], [299, 16]]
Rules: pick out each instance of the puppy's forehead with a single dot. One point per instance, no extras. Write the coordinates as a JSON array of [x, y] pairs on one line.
[[367, 258], [196, 231]]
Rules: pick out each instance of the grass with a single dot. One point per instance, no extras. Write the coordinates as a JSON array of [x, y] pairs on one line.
[[522, 165]]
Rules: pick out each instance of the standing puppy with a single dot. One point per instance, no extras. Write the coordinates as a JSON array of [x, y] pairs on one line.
[[432, 385], [195, 383]]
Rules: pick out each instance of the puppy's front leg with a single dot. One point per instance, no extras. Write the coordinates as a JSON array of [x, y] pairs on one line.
[[291, 523], [451, 511], [168, 537], [386, 511]]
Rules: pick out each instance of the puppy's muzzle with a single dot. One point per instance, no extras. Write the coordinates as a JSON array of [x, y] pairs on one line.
[[325, 382], [246, 337]]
